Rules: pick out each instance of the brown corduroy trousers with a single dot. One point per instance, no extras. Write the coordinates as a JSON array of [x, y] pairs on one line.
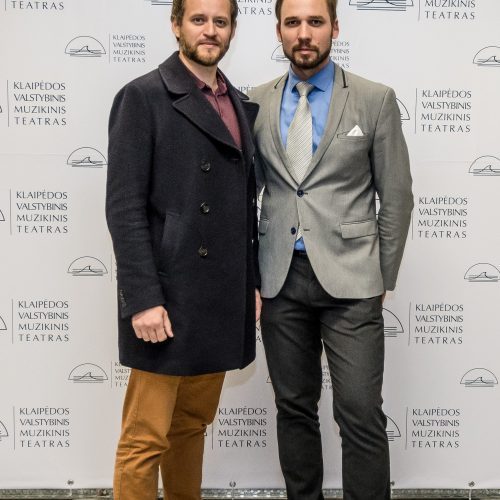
[[163, 427]]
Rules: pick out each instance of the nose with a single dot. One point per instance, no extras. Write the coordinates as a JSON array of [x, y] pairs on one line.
[[304, 31], [210, 29]]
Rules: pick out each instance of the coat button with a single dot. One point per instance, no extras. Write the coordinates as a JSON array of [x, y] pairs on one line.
[[205, 166], [202, 251], [204, 208], [293, 230], [300, 193]]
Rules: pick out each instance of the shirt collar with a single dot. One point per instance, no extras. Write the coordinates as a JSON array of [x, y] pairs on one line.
[[221, 84], [321, 80]]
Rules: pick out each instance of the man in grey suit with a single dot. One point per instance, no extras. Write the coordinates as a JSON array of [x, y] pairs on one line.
[[328, 142]]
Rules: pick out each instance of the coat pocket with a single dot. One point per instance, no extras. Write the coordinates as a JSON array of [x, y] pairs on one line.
[[359, 229]]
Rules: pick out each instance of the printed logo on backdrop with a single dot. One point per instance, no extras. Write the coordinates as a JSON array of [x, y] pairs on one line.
[[482, 273], [3, 326], [392, 430], [30, 5], [241, 427], [2, 216], [119, 375], [403, 110], [42, 320], [86, 158], [444, 111], [385, 5], [159, 2], [447, 10], [392, 325], [433, 428], [37, 103], [87, 266], [88, 373], [485, 166], [489, 56], [85, 46], [438, 323], [479, 377], [340, 53], [3, 431], [438, 217]]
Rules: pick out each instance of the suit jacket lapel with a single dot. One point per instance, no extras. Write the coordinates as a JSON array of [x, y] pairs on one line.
[[274, 122], [337, 104], [191, 102]]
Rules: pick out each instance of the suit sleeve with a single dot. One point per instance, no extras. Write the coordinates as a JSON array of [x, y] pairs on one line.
[[392, 177], [131, 144]]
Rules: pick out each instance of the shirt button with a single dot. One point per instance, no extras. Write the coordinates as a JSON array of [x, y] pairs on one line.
[[205, 166], [293, 230], [204, 208], [202, 252], [300, 193]]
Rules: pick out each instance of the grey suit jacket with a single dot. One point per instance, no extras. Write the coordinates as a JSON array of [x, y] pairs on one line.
[[353, 253]]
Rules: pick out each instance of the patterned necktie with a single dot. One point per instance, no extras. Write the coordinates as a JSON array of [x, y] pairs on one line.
[[299, 141]]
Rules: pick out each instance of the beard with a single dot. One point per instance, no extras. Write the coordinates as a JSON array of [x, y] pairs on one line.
[[309, 61], [192, 52]]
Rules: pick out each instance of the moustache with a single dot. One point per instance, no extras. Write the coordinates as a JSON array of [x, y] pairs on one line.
[[301, 46]]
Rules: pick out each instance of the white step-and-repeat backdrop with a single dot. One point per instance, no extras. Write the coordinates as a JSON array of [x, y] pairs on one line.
[[61, 385]]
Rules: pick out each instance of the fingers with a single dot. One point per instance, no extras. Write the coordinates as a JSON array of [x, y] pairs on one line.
[[152, 325], [167, 326]]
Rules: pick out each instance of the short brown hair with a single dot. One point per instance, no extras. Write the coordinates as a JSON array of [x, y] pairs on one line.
[[331, 4], [178, 8]]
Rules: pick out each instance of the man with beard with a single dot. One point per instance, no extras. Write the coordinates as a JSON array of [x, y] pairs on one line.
[[182, 215], [328, 143]]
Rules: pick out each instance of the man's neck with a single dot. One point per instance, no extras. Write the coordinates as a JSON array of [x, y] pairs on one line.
[[207, 74], [305, 74]]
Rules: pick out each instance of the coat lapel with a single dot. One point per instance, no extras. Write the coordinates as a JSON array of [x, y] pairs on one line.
[[274, 122], [246, 112], [337, 104], [191, 102]]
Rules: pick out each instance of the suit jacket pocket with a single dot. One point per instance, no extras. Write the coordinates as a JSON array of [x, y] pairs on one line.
[[359, 229], [263, 225]]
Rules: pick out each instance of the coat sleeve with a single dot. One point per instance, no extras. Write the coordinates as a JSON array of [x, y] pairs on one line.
[[131, 144], [392, 177]]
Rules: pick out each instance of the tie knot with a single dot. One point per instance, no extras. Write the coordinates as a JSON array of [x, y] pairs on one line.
[[304, 88]]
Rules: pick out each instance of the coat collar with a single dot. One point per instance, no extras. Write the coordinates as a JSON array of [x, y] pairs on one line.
[[338, 101], [189, 100]]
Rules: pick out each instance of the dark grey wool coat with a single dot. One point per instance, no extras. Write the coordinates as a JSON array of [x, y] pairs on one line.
[[181, 210]]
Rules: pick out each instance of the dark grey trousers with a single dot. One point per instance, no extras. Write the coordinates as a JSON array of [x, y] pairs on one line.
[[296, 325]]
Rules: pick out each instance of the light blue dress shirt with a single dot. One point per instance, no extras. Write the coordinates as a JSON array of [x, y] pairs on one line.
[[319, 103]]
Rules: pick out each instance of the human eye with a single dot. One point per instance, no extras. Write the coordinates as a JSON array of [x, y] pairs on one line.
[[316, 22], [221, 23], [291, 22], [198, 20]]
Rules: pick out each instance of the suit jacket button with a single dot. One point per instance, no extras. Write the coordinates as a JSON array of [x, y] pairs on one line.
[[293, 230], [202, 251], [204, 208], [300, 193], [205, 166]]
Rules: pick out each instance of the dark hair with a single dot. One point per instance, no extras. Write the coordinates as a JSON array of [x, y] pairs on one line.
[[178, 8], [331, 4]]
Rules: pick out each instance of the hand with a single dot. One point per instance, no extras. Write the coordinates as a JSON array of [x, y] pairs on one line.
[[258, 305], [152, 325], [383, 297]]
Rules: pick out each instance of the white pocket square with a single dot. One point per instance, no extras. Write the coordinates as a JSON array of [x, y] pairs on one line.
[[355, 132]]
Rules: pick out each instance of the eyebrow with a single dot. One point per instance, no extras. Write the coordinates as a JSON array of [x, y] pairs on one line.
[[309, 18]]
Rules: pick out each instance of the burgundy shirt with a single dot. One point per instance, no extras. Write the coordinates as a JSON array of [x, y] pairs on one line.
[[221, 102]]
